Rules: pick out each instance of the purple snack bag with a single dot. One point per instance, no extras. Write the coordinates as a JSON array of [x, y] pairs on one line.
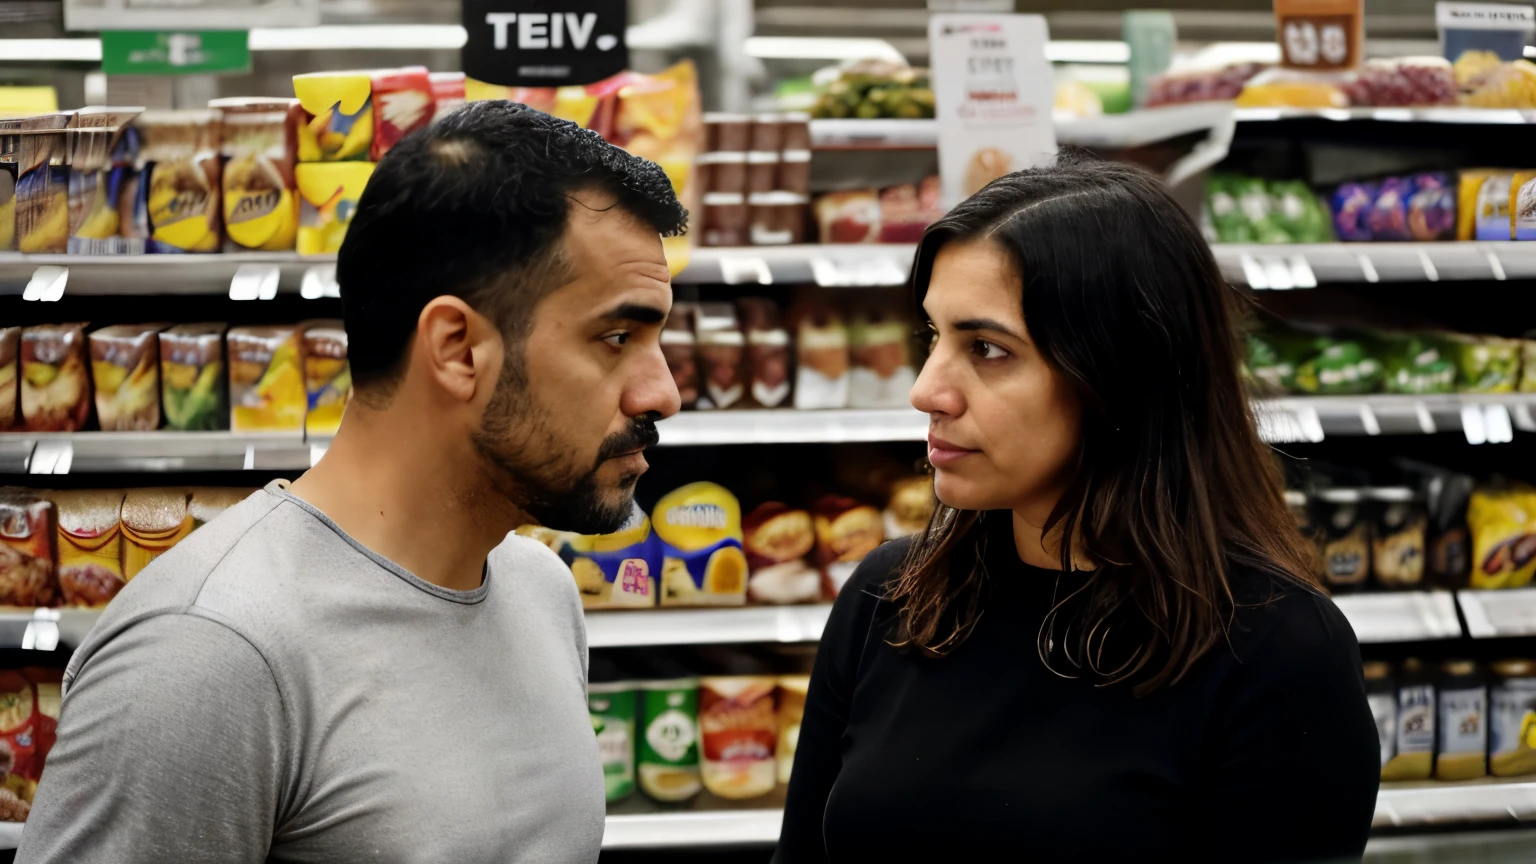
[[1388, 217], [1351, 205], [1432, 208]]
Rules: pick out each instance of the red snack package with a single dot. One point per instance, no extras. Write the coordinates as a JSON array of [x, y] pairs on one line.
[[447, 92], [403, 102], [27, 561]]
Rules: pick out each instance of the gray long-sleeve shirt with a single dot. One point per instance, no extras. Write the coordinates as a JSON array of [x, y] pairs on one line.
[[270, 690]]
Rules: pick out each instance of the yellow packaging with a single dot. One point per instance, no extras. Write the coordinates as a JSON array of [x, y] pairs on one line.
[[90, 545], [327, 377], [703, 562], [612, 571], [154, 520], [1482, 204], [261, 201], [328, 199], [1503, 526], [266, 380], [180, 152], [340, 125], [42, 185]]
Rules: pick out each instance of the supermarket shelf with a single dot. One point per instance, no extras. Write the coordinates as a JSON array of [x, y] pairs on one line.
[[699, 828], [636, 628], [1305, 265], [1411, 616], [1452, 115], [1484, 418], [1495, 614], [828, 265], [1488, 800], [165, 450], [10, 834], [1109, 131], [694, 428], [45, 629], [262, 274]]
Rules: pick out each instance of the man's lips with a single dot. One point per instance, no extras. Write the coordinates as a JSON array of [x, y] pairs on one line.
[[941, 452]]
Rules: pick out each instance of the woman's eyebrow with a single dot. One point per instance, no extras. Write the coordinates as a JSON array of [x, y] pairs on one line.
[[974, 324]]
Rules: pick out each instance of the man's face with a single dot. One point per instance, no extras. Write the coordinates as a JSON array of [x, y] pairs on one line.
[[576, 404]]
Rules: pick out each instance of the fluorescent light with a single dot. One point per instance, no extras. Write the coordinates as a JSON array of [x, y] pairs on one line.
[[360, 37], [50, 49], [820, 48], [1084, 51]]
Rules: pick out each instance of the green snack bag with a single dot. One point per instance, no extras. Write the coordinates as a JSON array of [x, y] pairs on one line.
[[1528, 366], [1417, 364], [669, 740], [1268, 364], [1488, 365], [1227, 219], [1339, 367], [612, 708]]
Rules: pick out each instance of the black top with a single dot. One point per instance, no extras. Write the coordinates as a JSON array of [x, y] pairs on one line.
[[1266, 751]]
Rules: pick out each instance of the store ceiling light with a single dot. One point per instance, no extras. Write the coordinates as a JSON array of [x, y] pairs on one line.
[[820, 48], [57, 50]]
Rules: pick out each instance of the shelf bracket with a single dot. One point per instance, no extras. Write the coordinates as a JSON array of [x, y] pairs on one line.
[[254, 282]]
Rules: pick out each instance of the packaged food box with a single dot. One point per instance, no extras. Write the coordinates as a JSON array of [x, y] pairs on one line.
[[55, 382], [125, 367], [327, 377], [340, 124], [207, 502], [90, 545], [846, 531], [403, 102], [328, 201], [1512, 719], [103, 179], [678, 344], [260, 194], [910, 508], [792, 692], [179, 193], [778, 541], [1482, 205], [612, 571], [447, 93], [768, 352], [192, 376], [739, 727], [703, 563], [154, 520], [881, 373], [721, 351], [10, 152], [822, 358], [612, 708], [42, 185], [28, 576], [266, 379], [10, 377], [668, 755]]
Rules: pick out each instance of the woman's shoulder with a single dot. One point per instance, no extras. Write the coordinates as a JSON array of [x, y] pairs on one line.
[[1282, 618]]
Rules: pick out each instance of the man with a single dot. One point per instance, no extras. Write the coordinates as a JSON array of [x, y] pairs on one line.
[[344, 669]]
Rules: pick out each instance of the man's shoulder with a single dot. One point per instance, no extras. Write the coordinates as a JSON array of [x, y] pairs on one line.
[[524, 567]]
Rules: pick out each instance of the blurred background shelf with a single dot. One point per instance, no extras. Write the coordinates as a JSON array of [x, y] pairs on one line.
[[1284, 266], [1408, 616], [696, 829], [1497, 614], [621, 628], [1485, 800]]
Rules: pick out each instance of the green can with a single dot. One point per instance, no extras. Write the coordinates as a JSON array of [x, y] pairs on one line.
[[612, 707], [669, 739]]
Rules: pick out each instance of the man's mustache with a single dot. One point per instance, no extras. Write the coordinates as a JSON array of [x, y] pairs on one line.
[[640, 435]]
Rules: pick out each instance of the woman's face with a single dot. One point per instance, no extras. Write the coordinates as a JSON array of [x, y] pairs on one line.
[[1004, 426]]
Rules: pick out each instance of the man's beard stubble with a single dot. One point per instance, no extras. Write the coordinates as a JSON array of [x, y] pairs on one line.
[[534, 469]]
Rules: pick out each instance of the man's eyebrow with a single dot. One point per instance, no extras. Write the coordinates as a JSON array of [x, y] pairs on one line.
[[974, 324], [639, 313]]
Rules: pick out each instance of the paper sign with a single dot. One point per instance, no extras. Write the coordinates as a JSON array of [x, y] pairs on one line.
[[1320, 34], [544, 43], [993, 92], [1497, 27]]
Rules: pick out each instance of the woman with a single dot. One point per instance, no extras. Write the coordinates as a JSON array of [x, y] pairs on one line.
[[1108, 644]]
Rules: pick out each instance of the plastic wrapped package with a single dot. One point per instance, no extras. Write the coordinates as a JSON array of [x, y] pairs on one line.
[[792, 693], [739, 729], [1414, 756], [55, 379], [1294, 88], [1509, 85], [90, 545], [327, 377], [154, 520], [192, 382], [910, 507], [208, 502], [1352, 208], [179, 191], [328, 196], [1512, 719], [10, 151], [1418, 364], [266, 379], [103, 178], [125, 367], [1483, 204], [10, 378], [703, 562], [42, 185], [1177, 88], [617, 570], [1403, 82], [1522, 205], [1338, 367], [1432, 207], [1387, 217], [28, 574], [1503, 526], [261, 199], [1487, 364], [403, 101], [339, 125], [778, 541], [846, 531]]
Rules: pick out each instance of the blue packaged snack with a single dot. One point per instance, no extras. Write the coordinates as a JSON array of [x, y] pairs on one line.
[[618, 570], [1388, 216], [1351, 206], [1432, 207]]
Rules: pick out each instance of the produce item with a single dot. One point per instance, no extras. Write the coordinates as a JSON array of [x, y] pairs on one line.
[[1388, 217], [1353, 204], [125, 366], [102, 179], [1463, 744], [1205, 85], [261, 199], [1338, 366], [767, 352], [669, 741], [154, 520], [727, 132], [722, 353], [1487, 364], [852, 216], [846, 531], [42, 185], [447, 93], [1512, 719], [1381, 694], [617, 570], [870, 89], [55, 383], [911, 506], [340, 124], [677, 345], [327, 377], [1482, 205], [402, 103], [822, 358], [778, 541], [1432, 207], [777, 218], [792, 691], [179, 208], [1403, 81], [1414, 756], [739, 726], [27, 572], [881, 373], [1418, 364], [10, 152], [207, 502], [328, 200], [90, 545], [1294, 88], [1346, 534], [1503, 526], [192, 376], [1398, 538], [266, 380], [700, 530], [10, 377], [1301, 215], [907, 210], [612, 707], [1522, 205]]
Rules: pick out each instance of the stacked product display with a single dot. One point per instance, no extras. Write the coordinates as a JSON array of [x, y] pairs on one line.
[[756, 176], [29, 720], [1458, 721]]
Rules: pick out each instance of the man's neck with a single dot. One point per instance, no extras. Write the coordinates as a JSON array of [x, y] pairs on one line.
[[393, 487]]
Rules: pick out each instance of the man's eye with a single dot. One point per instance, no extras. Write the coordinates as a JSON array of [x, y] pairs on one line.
[[617, 339], [987, 351]]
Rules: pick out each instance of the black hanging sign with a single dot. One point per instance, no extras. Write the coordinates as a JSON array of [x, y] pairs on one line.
[[544, 43]]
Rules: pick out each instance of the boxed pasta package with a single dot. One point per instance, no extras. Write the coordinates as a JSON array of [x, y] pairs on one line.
[[154, 520], [260, 194], [703, 563], [28, 575], [55, 381], [192, 377], [266, 379], [90, 545], [125, 366]]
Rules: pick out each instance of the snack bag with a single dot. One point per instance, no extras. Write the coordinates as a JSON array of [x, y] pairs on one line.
[[1503, 523], [1298, 213], [777, 541], [1432, 208], [792, 691], [207, 502], [55, 383], [266, 380], [339, 125], [1487, 364], [1522, 205], [1527, 366], [403, 102], [1338, 366], [1388, 216], [125, 366], [10, 152], [328, 196], [327, 377], [178, 208], [42, 185], [21, 735], [912, 504], [27, 557], [261, 200], [703, 563], [739, 728], [154, 520], [1352, 208], [1418, 364], [447, 93], [90, 545], [1482, 205], [192, 376], [617, 570], [822, 359], [882, 373], [846, 531], [102, 179], [10, 377]]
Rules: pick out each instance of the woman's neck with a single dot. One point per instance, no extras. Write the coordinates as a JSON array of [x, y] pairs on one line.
[[1035, 548]]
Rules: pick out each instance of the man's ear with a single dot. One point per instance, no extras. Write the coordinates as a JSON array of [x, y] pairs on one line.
[[457, 348]]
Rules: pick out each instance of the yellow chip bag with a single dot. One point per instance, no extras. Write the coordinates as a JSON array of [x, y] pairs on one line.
[[1503, 524], [703, 562]]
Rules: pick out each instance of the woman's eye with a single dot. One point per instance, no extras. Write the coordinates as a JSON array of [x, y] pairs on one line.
[[987, 351], [617, 340]]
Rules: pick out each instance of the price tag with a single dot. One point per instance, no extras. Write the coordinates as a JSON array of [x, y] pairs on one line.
[[318, 282], [735, 270], [254, 282], [46, 284], [1320, 34], [1472, 424], [51, 456]]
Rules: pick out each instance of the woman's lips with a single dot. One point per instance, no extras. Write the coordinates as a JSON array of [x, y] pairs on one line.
[[941, 452]]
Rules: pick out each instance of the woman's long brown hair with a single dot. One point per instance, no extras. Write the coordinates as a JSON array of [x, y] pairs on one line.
[[1173, 488]]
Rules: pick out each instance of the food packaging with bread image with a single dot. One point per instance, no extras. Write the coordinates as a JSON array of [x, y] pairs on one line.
[[703, 563], [768, 352], [154, 520], [10, 377], [125, 367], [192, 377], [28, 575], [55, 380], [721, 350], [792, 692], [90, 545], [207, 502], [846, 531], [612, 571], [266, 379], [668, 753], [42, 185], [327, 377], [103, 149], [328, 201], [339, 123], [882, 373], [778, 541], [911, 506], [260, 194], [179, 193], [739, 726]]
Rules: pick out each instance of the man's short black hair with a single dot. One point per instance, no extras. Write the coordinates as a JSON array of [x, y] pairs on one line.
[[475, 206]]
